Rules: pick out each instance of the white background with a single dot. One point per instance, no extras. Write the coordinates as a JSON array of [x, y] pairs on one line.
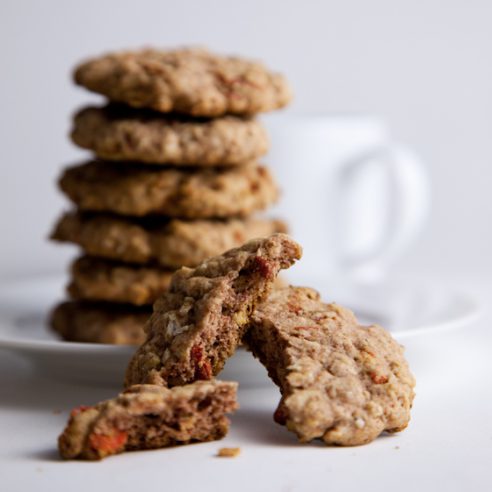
[[425, 66]]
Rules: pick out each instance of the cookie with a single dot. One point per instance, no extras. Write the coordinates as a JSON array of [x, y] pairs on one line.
[[170, 244], [95, 279], [120, 133], [198, 324], [100, 322], [149, 417], [191, 81], [190, 194], [340, 382]]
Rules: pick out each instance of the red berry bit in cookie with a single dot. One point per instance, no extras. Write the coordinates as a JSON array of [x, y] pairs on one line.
[[105, 444], [203, 369], [378, 378], [80, 409], [264, 267]]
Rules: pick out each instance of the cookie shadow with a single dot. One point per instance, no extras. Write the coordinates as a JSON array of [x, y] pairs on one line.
[[30, 390], [50, 455], [258, 426]]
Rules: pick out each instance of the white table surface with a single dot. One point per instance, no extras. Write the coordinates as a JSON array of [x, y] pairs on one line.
[[448, 445]]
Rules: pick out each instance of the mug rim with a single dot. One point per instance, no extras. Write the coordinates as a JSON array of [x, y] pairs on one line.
[[326, 115], [307, 121]]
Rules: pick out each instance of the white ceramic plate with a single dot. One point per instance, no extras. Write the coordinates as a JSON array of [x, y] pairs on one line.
[[407, 310]]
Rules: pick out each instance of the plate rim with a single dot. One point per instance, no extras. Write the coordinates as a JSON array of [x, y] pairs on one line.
[[473, 312]]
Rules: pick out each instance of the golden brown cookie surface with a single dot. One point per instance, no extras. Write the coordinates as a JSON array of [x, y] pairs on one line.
[[136, 190], [109, 323], [96, 279], [124, 134], [191, 81], [170, 244]]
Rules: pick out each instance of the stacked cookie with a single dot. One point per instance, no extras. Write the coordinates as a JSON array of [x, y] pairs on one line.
[[175, 180]]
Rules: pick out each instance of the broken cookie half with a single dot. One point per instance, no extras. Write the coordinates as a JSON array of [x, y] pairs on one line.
[[149, 417], [198, 324], [340, 382]]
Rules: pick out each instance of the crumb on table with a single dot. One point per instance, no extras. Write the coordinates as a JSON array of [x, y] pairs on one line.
[[228, 452]]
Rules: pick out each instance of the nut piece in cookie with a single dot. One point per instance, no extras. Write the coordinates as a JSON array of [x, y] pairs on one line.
[[191, 81], [158, 241], [120, 133], [340, 382], [99, 322], [149, 417], [198, 324], [199, 193]]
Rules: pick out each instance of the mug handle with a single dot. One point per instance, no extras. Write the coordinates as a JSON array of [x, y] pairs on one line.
[[408, 203]]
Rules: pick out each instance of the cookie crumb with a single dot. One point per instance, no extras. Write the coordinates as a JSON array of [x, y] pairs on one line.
[[228, 452]]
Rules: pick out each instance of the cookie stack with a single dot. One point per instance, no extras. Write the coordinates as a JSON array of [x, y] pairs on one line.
[[175, 179]]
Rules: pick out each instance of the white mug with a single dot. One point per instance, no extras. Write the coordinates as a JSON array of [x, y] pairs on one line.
[[351, 197]]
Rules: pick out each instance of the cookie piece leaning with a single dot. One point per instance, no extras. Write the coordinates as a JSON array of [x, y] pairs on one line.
[[158, 241], [198, 324], [340, 382], [191, 81], [96, 279], [120, 133], [90, 322], [136, 190], [149, 417]]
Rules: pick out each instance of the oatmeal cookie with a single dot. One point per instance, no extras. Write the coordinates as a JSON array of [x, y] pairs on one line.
[[149, 417], [191, 194], [198, 324], [124, 134], [96, 279], [90, 322], [190, 81], [170, 244], [340, 382]]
